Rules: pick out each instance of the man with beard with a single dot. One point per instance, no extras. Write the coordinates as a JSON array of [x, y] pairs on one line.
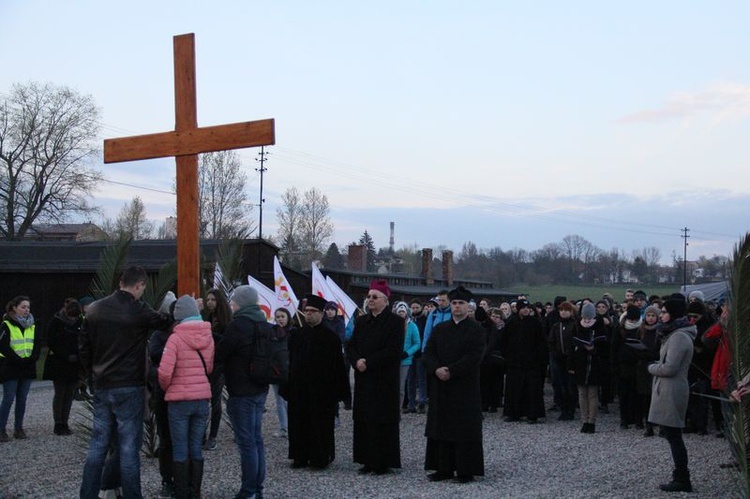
[[317, 381], [375, 353], [524, 346], [454, 418]]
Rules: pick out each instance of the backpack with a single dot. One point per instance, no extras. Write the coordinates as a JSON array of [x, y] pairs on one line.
[[270, 361]]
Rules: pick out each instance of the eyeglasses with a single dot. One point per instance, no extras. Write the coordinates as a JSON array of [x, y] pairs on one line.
[[372, 297], [312, 310]]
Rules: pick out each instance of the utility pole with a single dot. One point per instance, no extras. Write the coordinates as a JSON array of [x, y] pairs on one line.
[[685, 236], [262, 169]]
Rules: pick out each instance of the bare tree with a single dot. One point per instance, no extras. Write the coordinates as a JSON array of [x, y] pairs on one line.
[[224, 210], [132, 221], [289, 219], [316, 223], [47, 140]]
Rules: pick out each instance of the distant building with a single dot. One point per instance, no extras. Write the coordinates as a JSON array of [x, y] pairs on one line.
[[50, 271], [82, 233]]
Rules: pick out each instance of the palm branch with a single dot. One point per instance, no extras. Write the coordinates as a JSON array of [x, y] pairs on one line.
[[108, 274], [161, 283], [229, 259], [737, 416]]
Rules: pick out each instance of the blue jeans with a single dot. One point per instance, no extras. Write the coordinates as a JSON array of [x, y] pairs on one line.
[[281, 408], [117, 410], [18, 390], [246, 414], [417, 384], [187, 424]]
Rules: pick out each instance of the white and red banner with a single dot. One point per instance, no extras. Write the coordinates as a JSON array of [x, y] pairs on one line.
[[320, 286], [266, 298], [285, 296], [346, 305]]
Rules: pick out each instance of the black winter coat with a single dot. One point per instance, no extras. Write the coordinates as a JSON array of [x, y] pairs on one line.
[[112, 346], [236, 353], [588, 366], [62, 362]]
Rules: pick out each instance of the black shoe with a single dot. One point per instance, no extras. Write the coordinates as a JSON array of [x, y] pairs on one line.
[[592, 428], [509, 419], [624, 426], [58, 429], [298, 463], [492, 409], [675, 486], [464, 478], [439, 476], [531, 421], [364, 470], [585, 428], [420, 409], [649, 432], [405, 410], [382, 471]]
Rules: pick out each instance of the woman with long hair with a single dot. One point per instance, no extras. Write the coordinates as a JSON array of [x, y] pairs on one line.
[[19, 352], [216, 311], [61, 365], [282, 328]]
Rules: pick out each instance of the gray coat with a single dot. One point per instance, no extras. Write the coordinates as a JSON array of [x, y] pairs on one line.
[[670, 387]]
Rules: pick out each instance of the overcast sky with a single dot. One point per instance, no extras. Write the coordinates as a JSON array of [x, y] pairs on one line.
[[508, 124]]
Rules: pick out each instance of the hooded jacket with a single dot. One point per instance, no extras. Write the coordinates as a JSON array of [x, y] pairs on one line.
[[181, 371], [670, 389]]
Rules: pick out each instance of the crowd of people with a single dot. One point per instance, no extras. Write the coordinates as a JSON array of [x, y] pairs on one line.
[[453, 357]]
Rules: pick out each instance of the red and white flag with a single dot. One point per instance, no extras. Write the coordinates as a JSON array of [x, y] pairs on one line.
[[320, 286], [266, 298], [346, 304], [284, 294]]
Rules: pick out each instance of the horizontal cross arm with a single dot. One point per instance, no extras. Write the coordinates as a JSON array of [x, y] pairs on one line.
[[196, 141]]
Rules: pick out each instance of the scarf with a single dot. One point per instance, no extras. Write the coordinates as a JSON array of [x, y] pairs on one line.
[[252, 311], [588, 322], [664, 328], [24, 322]]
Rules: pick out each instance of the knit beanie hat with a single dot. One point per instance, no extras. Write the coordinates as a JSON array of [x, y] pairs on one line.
[[698, 295], [588, 311], [168, 299], [633, 313], [652, 309], [244, 295], [185, 307], [401, 305], [696, 307], [677, 308]]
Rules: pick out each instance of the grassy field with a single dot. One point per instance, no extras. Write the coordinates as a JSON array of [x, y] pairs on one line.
[[547, 293]]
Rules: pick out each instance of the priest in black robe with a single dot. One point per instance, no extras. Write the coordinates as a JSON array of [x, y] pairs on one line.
[[318, 379], [375, 352], [452, 358]]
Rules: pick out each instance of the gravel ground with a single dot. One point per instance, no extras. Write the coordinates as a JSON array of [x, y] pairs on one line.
[[552, 459]]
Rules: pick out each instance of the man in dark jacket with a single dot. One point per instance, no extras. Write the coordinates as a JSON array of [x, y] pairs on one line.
[[454, 418], [112, 348], [246, 398], [318, 379], [375, 354]]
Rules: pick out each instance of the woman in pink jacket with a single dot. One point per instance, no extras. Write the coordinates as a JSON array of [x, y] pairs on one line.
[[187, 361]]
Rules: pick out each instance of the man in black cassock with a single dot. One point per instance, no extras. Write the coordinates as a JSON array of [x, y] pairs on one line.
[[318, 379], [454, 419], [375, 352]]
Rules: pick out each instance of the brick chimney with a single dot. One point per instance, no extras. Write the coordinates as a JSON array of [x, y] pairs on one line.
[[448, 267], [357, 259], [427, 266]]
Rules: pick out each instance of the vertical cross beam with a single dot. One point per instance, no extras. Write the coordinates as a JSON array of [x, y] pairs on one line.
[[186, 118]]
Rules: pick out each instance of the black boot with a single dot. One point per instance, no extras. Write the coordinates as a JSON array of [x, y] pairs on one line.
[[196, 478], [680, 482], [181, 474]]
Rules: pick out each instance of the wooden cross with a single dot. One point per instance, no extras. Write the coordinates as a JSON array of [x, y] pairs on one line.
[[185, 143]]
